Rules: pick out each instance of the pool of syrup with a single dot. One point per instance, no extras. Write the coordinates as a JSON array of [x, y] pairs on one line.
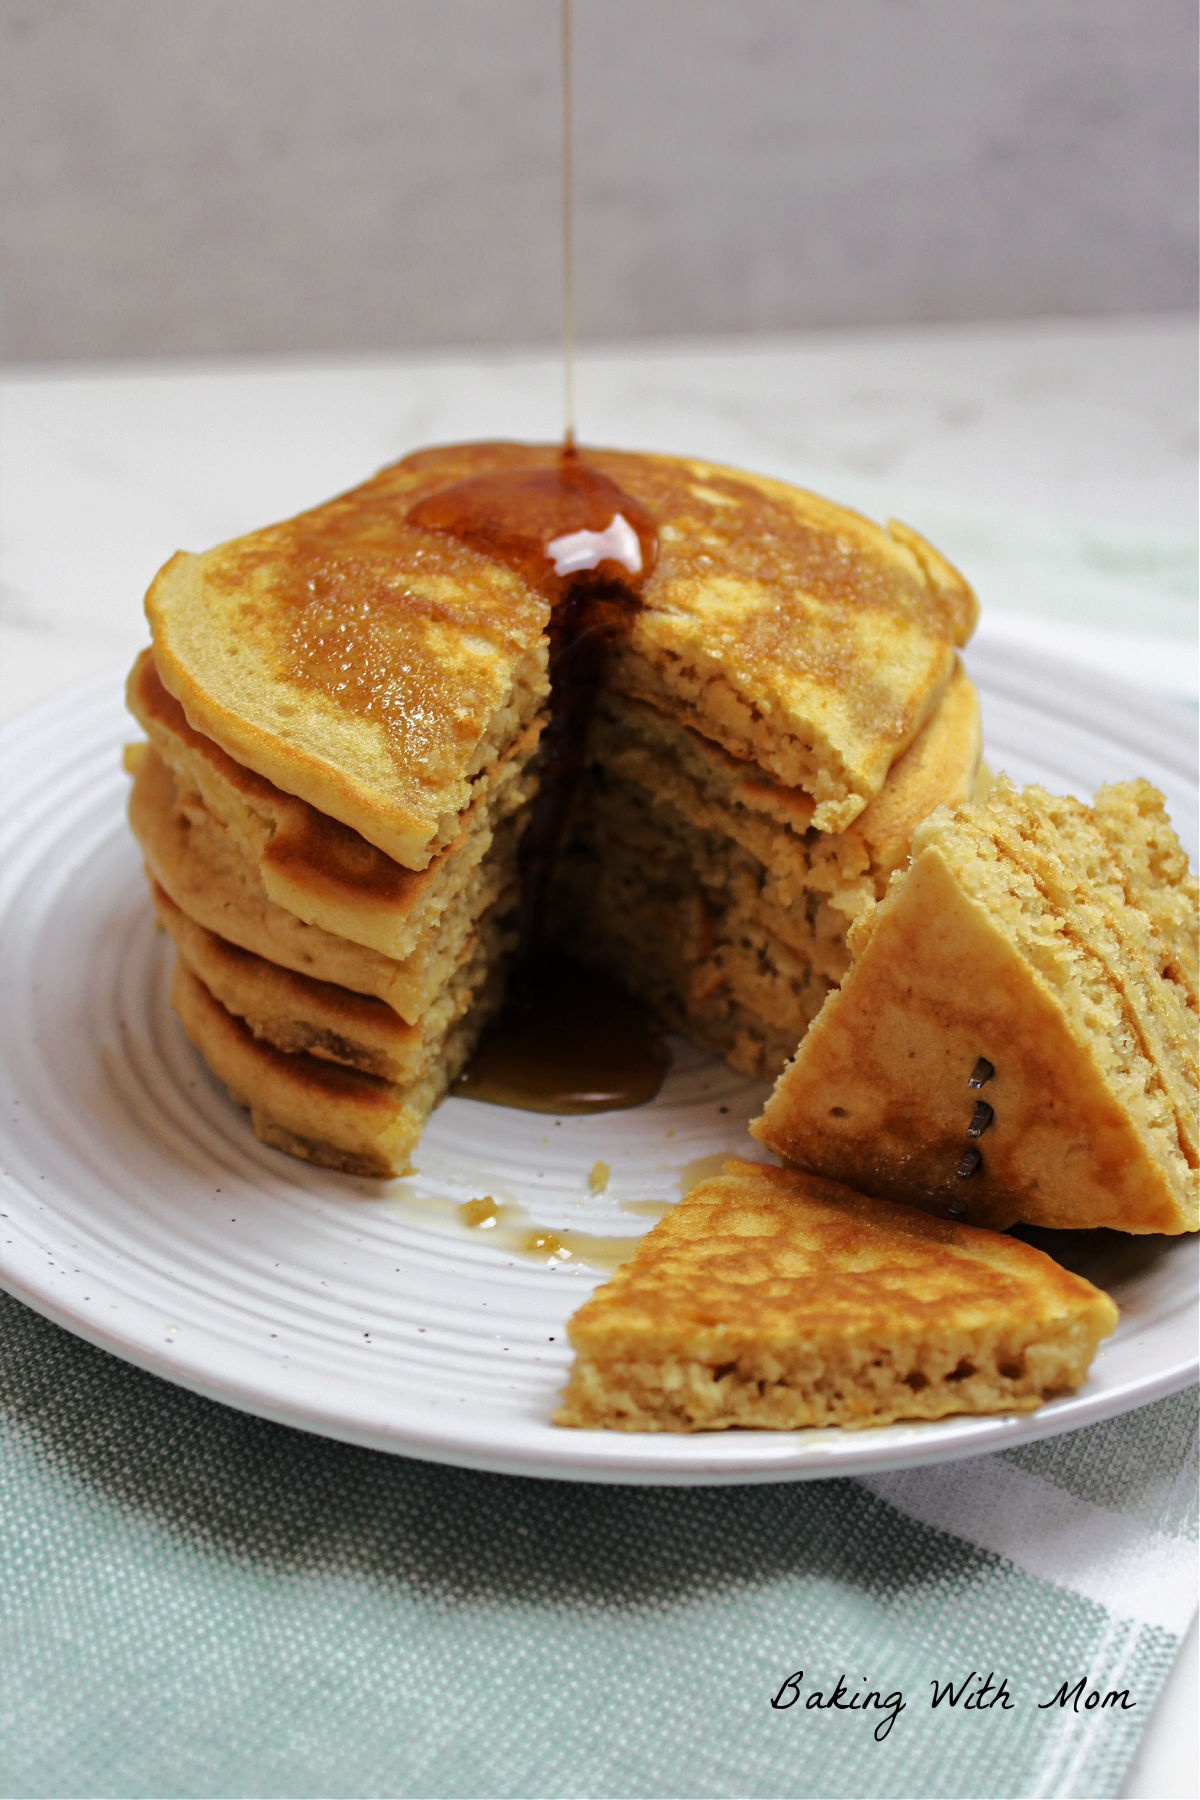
[[568, 1041]]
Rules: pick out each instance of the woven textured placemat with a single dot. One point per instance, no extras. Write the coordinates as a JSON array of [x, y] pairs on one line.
[[197, 1602]]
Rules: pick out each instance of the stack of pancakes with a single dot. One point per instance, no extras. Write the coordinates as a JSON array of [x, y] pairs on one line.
[[343, 714], [335, 992]]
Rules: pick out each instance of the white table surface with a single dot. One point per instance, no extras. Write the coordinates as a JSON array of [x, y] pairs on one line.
[[1055, 461]]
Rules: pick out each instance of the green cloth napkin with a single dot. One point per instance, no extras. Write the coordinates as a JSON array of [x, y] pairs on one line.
[[196, 1602]]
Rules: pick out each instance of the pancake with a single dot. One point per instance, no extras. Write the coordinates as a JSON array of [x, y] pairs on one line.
[[375, 668], [1016, 1037], [198, 864], [312, 1107], [771, 1299], [312, 866], [296, 1013]]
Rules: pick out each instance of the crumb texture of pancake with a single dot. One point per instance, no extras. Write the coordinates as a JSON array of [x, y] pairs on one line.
[[703, 885], [376, 668], [313, 1107], [771, 1299], [1016, 1038]]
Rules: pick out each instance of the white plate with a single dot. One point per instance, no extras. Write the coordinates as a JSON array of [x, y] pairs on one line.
[[140, 1212]]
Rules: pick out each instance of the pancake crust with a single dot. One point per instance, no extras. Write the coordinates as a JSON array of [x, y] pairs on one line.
[[1026, 933], [770, 1298], [374, 668]]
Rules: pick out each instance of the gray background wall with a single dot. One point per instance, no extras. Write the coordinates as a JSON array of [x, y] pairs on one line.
[[245, 175]]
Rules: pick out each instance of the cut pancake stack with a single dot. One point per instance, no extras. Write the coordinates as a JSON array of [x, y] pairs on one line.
[[343, 714], [335, 992]]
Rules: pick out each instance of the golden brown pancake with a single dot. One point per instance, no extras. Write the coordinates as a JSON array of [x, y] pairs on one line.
[[1016, 1037], [770, 1298], [296, 1013], [374, 668], [312, 1107], [198, 863], [311, 865]]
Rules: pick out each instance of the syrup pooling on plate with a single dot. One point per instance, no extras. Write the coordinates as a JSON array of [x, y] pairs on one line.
[[568, 1041]]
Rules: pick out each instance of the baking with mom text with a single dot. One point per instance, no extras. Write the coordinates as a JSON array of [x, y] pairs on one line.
[[974, 1693]]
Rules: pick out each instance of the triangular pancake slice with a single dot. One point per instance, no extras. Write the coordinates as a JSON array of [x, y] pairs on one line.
[[770, 1298], [1016, 1037]]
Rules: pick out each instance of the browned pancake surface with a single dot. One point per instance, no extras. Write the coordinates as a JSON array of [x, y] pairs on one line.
[[767, 1297], [374, 668]]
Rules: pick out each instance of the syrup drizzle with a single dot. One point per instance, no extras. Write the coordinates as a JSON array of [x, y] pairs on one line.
[[568, 236], [568, 1041]]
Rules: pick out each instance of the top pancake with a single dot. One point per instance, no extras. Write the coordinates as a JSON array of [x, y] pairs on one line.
[[374, 668]]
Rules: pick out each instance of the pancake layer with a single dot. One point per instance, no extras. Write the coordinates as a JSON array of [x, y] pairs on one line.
[[1016, 1038], [296, 1013], [768, 1298], [313, 1107]]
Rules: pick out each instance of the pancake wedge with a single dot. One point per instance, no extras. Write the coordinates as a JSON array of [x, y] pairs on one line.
[[772, 1299], [1016, 1038]]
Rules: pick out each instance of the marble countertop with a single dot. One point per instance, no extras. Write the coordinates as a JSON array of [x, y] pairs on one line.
[[1054, 461]]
